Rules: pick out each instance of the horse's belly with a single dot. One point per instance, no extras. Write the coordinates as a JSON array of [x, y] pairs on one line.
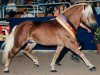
[[50, 41], [47, 39]]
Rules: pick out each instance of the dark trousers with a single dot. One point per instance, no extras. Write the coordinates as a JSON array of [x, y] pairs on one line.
[[62, 54]]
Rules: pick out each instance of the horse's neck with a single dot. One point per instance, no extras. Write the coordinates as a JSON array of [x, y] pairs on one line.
[[74, 15]]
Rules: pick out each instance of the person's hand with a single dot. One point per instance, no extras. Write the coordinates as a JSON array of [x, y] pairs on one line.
[[89, 31]]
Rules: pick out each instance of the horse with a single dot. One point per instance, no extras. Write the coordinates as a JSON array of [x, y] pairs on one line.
[[49, 33]]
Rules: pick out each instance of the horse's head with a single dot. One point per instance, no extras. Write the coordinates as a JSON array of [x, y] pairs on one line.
[[81, 13], [88, 18]]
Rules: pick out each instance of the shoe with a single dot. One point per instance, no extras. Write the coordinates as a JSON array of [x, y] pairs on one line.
[[75, 58], [57, 63]]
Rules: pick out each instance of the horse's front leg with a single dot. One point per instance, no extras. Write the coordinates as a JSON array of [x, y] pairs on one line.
[[57, 52], [80, 53]]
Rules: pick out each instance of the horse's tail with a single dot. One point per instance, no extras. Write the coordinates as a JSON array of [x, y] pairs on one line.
[[8, 44]]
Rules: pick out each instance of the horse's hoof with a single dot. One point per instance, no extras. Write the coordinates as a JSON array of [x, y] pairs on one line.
[[53, 70], [36, 66], [6, 71], [93, 69]]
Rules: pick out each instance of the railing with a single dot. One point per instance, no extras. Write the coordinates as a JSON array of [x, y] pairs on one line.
[[50, 4], [34, 7], [18, 6]]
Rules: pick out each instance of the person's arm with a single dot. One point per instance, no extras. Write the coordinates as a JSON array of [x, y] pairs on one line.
[[57, 11], [83, 26]]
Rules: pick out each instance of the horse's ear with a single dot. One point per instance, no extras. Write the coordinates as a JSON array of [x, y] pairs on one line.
[[87, 4], [90, 3]]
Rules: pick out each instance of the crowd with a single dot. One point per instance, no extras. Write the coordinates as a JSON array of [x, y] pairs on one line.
[[21, 2], [11, 8]]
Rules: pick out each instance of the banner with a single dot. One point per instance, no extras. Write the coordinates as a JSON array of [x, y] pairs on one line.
[[4, 30]]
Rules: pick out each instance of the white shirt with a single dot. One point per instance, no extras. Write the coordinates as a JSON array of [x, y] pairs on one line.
[[97, 10], [11, 6], [27, 15]]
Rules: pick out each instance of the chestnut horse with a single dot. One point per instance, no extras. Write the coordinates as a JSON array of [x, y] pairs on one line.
[[49, 33]]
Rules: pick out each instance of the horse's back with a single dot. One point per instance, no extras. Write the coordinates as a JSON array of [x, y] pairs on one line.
[[47, 32]]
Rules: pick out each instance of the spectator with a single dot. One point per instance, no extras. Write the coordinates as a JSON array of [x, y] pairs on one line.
[[4, 1], [44, 1], [97, 8], [11, 6], [56, 1], [11, 14], [11, 9], [25, 14], [57, 11], [26, 1], [19, 2], [38, 1], [50, 1], [65, 0], [49, 8]]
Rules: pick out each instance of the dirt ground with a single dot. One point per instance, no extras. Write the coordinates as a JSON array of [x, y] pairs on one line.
[[22, 65]]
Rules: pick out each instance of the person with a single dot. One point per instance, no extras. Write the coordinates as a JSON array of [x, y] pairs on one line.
[[65, 50], [97, 8], [19, 2], [11, 9], [57, 11], [49, 8], [56, 1], [26, 1], [11, 6], [4, 1], [25, 14]]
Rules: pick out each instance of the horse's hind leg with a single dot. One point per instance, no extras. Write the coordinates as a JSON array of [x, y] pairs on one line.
[[28, 50], [10, 56], [80, 53], [58, 50]]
